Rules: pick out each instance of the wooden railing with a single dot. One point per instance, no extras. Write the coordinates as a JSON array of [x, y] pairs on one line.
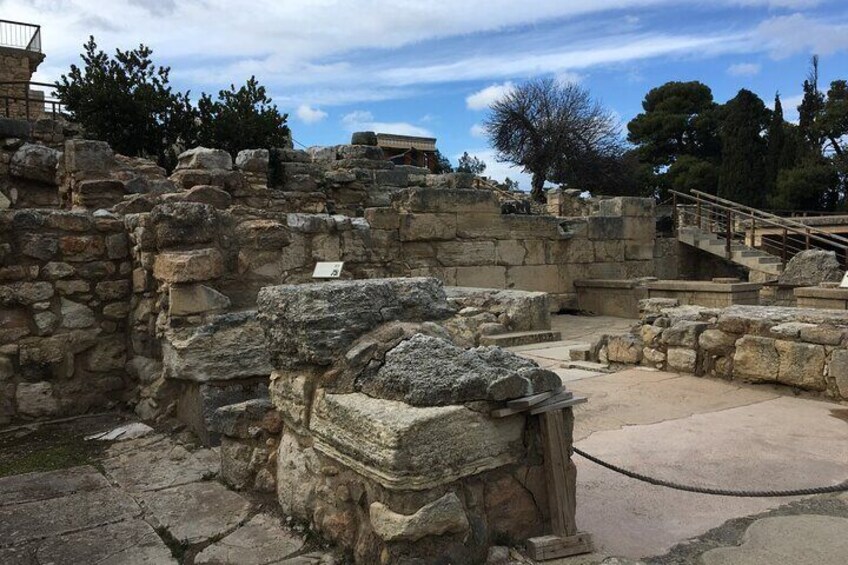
[[20, 35], [17, 100], [737, 223]]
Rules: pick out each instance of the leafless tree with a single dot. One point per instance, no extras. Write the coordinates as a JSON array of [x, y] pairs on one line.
[[551, 130]]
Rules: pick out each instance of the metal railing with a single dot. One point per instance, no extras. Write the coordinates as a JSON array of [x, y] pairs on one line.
[[20, 35], [737, 223], [19, 100]]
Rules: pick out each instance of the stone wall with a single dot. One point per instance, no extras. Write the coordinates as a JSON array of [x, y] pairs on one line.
[[798, 347], [65, 286], [381, 452]]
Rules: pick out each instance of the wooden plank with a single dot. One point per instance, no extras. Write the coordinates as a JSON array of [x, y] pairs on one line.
[[553, 547], [504, 412], [527, 401], [565, 403]]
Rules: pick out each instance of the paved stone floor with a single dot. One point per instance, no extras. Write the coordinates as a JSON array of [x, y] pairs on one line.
[[708, 432], [153, 500]]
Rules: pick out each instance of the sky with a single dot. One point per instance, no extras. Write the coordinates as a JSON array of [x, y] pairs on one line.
[[432, 67]]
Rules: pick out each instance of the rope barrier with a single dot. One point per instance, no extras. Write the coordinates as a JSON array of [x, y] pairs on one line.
[[841, 487]]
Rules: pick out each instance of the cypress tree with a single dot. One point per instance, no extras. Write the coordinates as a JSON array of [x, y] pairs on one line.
[[742, 175], [776, 143]]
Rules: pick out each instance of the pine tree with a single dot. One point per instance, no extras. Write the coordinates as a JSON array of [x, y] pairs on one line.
[[742, 175], [776, 143]]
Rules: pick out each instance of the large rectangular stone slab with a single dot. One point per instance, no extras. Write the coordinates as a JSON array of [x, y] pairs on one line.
[[404, 447], [31, 487]]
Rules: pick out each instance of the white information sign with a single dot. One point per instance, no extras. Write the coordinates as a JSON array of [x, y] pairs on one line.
[[844, 283], [327, 270]]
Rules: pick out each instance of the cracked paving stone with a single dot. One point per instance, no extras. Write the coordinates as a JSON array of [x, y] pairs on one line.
[[28, 521], [261, 541], [31, 487], [161, 464], [196, 512], [132, 542], [800, 540]]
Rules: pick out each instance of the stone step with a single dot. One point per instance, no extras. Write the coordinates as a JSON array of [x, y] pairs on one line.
[[514, 339], [587, 366]]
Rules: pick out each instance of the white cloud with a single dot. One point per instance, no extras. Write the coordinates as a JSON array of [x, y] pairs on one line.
[[568, 77], [478, 130], [363, 120], [310, 115], [743, 69], [482, 99], [783, 36]]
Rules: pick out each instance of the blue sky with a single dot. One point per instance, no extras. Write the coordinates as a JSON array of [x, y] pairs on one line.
[[431, 68]]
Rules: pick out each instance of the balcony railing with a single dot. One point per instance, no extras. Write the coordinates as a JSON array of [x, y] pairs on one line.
[[28, 100], [20, 35]]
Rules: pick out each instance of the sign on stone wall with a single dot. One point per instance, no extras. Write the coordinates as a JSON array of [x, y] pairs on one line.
[[327, 270]]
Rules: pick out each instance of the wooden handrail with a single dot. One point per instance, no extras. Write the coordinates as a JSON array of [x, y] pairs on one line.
[[766, 218], [781, 221]]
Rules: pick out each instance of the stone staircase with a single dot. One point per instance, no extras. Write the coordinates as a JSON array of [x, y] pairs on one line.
[[748, 257]]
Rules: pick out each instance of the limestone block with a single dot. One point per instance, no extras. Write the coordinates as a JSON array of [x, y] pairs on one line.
[[253, 160], [360, 151], [86, 158], [801, 364], [416, 227], [185, 300], [204, 158], [188, 266], [25, 292], [756, 359], [230, 346], [183, 223], [605, 227], [113, 290], [315, 323], [511, 507], [429, 371], [462, 252], [716, 341], [36, 399], [510, 252], [207, 194], [262, 234], [446, 201], [838, 370], [542, 278], [608, 250], [310, 223], [638, 251], [382, 218], [684, 333], [76, 315], [98, 193], [405, 447], [445, 515], [81, 248], [624, 349], [681, 359], [823, 334], [627, 206], [639, 229], [35, 162], [653, 356], [481, 277], [243, 420], [811, 267], [108, 354], [523, 310]]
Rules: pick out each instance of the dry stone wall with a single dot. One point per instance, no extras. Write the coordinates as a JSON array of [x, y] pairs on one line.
[[65, 289], [803, 348]]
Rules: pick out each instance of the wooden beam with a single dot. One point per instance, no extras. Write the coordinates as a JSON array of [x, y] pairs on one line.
[[528, 401], [557, 404]]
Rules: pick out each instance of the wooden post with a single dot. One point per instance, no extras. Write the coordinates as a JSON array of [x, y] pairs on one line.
[[561, 478], [807, 239], [753, 231]]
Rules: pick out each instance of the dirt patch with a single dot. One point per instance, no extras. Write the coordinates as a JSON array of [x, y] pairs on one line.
[[51, 446]]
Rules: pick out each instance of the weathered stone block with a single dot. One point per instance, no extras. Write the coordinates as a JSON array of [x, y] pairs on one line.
[[35, 162], [605, 227], [624, 349], [481, 277], [415, 227], [86, 158], [186, 300], [838, 370], [445, 515], [684, 333], [253, 160], [304, 322], [183, 223], [204, 158], [542, 278], [98, 193], [756, 359], [681, 359], [801, 364], [188, 266], [231, 346], [627, 206], [446, 201], [717, 341], [36, 399], [459, 253], [81, 248], [404, 447]]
